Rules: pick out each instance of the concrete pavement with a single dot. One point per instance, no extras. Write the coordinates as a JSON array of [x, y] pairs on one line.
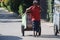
[[12, 31], [9, 25]]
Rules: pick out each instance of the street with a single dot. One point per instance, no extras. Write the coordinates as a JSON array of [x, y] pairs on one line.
[[10, 29]]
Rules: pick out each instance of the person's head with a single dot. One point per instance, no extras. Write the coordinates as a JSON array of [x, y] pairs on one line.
[[35, 2]]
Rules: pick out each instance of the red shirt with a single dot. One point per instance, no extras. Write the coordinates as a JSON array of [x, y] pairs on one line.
[[35, 12]]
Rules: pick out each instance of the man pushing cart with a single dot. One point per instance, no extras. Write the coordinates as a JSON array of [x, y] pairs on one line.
[[34, 13]]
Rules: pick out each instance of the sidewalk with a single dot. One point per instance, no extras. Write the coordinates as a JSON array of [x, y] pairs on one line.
[[50, 24]]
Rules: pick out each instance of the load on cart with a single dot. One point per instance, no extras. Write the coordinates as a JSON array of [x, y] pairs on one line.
[[27, 24]]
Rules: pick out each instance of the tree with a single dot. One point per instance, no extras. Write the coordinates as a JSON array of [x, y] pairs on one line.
[[18, 6], [50, 10]]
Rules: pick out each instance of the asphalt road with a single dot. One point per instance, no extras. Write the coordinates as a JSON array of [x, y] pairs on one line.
[[10, 29], [4, 14]]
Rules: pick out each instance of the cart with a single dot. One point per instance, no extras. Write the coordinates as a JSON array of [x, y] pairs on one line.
[[56, 17], [27, 24]]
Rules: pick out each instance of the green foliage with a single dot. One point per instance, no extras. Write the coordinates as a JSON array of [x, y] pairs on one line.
[[49, 10], [0, 4], [6, 2], [9, 8], [18, 6], [21, 9]]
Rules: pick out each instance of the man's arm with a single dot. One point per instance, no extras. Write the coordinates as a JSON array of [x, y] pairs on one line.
[[28, 10]]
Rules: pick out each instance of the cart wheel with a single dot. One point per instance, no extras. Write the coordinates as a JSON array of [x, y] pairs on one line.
[[22, 29], [40, 31], [55, 29]]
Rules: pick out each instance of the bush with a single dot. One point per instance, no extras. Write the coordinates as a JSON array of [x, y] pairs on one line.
[[20, 9], [6, 5], [18, 6], [0, 4], [6, 2]]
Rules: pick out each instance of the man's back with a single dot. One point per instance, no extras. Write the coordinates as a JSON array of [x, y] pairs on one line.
[[35, 12]]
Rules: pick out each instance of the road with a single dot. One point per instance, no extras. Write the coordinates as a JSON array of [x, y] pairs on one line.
[[4, 14], [10, 29]]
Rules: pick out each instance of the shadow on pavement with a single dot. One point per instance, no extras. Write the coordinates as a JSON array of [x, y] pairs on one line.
[[9, 16], [49, 36], [10, 38], [9, 21], [45, 36], [29, 36]]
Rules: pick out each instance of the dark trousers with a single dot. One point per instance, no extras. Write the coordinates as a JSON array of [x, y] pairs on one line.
[[36, 26]]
